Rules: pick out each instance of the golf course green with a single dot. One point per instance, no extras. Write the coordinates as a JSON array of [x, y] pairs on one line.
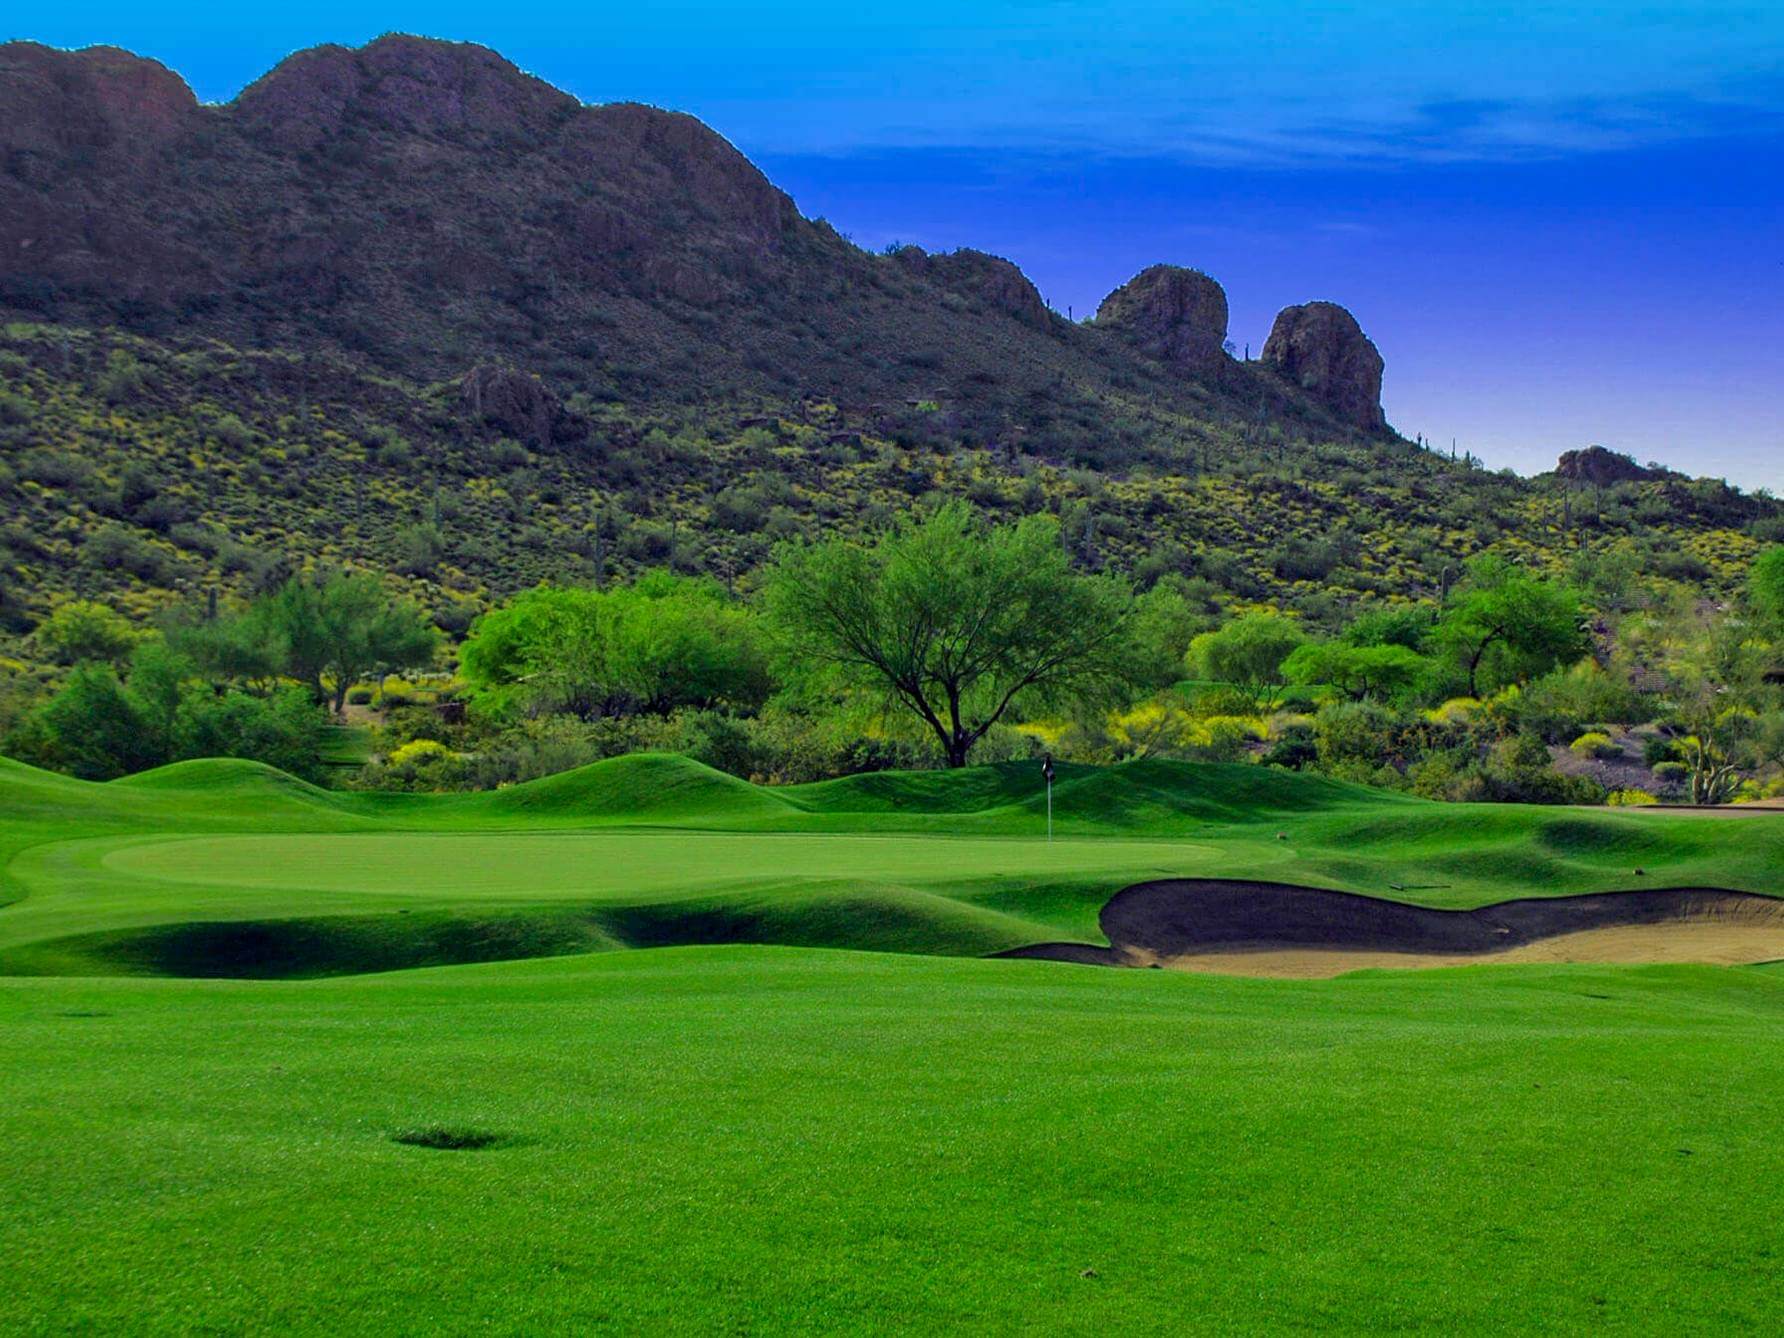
[[278, 1057]]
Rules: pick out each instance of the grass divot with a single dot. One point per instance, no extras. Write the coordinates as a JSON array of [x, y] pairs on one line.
[[449, 1138]]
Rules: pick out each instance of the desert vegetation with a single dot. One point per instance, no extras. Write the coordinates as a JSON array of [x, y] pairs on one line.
[[946, 638]]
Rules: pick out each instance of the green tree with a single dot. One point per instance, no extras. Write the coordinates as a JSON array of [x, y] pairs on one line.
[[285, 729], [663, 643], [1356, 671], [92, 728], [83, 631], [231, 648], [955, 624], [1249, 653], [1505, 625], [544, 651], [1391, 625], [677, 641], [332, 631], [1765, 589], [1165, 620]]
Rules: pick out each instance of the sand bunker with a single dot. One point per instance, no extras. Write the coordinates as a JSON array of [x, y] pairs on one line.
[[1273, 929]]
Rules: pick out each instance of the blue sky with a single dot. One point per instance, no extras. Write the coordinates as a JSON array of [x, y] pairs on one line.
[[1562, 223]]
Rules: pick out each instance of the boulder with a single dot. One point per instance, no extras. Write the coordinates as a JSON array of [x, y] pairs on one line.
[[1174, 314], [1320, 347], [514, 402]]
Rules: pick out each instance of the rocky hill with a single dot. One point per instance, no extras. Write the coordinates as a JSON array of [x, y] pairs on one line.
[[422, 206], [407, 309]]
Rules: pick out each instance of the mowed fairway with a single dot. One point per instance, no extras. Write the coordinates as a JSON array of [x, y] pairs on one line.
[[774, 1140], [744, 1129]]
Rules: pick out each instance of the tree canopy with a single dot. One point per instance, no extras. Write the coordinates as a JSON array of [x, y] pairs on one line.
[[83, 631], [1505, 625], [954, 623], [1356, 671], [1765, 588], [331, 631], [662, 643], [1249, 653]]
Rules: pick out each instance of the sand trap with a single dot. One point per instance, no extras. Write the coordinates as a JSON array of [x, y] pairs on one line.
[[1274, 929]]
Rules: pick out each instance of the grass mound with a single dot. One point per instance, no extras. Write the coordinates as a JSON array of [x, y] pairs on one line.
[[1148, 796], [643, 787], [229, 774], [969, 790]]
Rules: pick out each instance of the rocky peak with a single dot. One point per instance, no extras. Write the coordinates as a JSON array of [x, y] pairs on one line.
[[1320, 347], [400, 84], [97, 103], [1598, 466], [1177, 315]]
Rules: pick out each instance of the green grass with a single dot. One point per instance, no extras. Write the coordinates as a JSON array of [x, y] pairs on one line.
[[135, 876], [773, 1140], [554, 1130]]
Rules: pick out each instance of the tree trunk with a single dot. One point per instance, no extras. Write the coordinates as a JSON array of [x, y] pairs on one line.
[[957, 750]]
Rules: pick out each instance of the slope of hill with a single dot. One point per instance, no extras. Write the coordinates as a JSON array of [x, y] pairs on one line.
[[143, 472]]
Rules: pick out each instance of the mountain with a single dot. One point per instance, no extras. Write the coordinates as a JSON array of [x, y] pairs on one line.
[[406, 308], [423, 206]]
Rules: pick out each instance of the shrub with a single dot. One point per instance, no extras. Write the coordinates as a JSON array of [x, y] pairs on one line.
[[230, 432], [1658, 749], [1351, 733], [1220, 700], [92, 729], [1562, 704], [1595, 745], [84, 631], [419, 752], [1631, 798], [286, 730], [360, 695], [1221, 739], [1671, 773]]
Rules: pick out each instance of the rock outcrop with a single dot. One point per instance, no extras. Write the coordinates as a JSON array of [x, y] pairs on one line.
[[1598, 466], [400, 85], [1170, 313], [982, 277], [1320, 347], [514, 403]]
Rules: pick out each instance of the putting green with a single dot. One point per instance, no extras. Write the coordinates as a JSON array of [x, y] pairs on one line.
[[447, 867]]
